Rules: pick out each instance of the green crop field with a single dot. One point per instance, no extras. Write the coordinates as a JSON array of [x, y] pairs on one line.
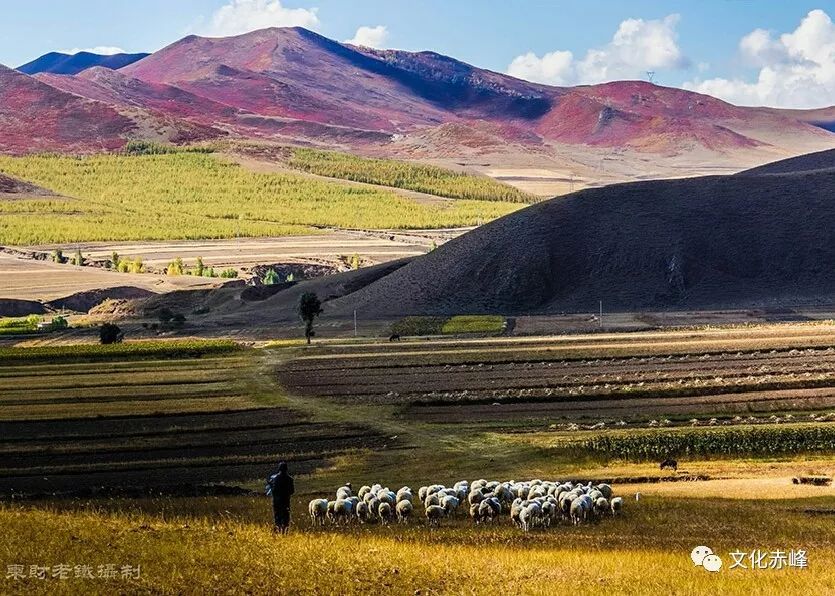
[[400, 174], [197, 196]]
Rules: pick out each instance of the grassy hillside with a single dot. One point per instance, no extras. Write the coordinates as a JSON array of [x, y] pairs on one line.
[[401, 174], [194, 196]]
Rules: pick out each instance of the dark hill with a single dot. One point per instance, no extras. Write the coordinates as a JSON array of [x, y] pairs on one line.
[[730, 241], [820, 160], [70, 64]]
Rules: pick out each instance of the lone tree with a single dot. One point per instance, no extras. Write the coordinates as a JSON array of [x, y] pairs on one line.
[[310, 307], [110, 334]]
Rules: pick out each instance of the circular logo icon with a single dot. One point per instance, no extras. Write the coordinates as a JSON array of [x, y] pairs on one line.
[[712, 563], [699, 553]]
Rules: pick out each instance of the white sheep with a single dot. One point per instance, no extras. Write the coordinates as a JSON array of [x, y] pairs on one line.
[[602, 506], [318, 509], [343, 510], [579, 511], [529, 516], [344, 492], [404, 511], [434, 514], [616, 505], [363, 512], [384, 512], [450, 504]]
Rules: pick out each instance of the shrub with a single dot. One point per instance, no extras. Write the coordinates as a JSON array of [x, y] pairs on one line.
[[199, 267], [175, 267], [110, 334], [229, 273], [271, 278], [78, 259], [58, 323]]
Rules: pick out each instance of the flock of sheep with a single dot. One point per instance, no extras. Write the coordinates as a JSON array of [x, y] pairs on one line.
[[530, 504]]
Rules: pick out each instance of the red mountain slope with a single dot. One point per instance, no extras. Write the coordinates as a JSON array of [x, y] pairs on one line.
[[295, 83], [38, 117]]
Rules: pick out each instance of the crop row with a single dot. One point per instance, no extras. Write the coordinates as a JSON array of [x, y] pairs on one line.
[[769, 440], [400, 174], [97, 352]]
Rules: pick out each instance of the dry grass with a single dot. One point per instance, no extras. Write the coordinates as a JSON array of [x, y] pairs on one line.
[[188, 551]]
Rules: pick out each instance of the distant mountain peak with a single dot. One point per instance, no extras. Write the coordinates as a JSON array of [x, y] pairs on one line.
[[71, 64]]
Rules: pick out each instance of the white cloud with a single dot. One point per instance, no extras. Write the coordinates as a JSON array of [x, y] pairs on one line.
[[242, 16], [370, 37], [104, 50], [796, 70], [556, 68], [636, 47]]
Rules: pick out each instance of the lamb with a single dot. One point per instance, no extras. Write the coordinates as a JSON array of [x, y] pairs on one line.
[[617, 505], [434, 514], [404, 511], [364, 490], [344, 492], [318, 509]]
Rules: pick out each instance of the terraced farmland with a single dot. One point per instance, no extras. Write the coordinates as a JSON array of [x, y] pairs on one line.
[[631, 378], [85, 419]]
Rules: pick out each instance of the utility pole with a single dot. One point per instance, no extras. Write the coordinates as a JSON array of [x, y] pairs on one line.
[[600, 319]]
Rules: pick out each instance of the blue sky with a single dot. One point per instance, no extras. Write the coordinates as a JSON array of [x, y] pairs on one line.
[[708, 45]]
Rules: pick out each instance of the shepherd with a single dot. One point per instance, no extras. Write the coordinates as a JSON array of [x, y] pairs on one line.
[[281, 486]]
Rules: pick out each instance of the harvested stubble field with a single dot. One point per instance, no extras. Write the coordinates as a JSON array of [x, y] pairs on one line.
[[632, 377], [332, 435], [150, 414]]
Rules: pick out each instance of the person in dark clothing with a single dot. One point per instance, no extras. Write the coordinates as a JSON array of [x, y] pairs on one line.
[[281, 487]]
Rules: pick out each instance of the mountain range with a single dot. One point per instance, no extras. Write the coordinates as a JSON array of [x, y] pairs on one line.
[[70, 64], [293, 85]]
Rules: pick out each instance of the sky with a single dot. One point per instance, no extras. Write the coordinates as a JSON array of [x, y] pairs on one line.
[[751, 52]]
